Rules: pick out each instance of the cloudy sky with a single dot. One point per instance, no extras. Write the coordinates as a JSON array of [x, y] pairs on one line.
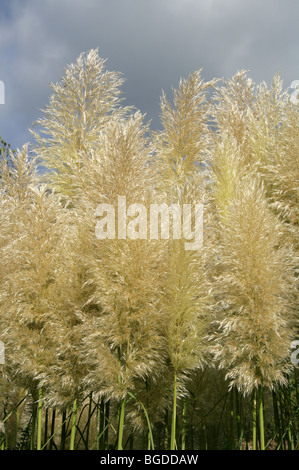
[[152, 42]]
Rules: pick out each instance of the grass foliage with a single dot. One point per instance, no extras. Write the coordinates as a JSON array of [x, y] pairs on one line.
[[138, 343]]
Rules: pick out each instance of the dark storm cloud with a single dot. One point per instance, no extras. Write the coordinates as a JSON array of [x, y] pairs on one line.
[[152, 42]]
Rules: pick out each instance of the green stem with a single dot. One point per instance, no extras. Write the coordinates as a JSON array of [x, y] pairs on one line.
[[173, 421], [261, 417], [46, 427], [121, 425], [73, 429], [289, 414], [290, 439], [3, 443], [231, 421], [184, 420], [89, 418], [39, 420], [106, 430], [33, 426], [150, 442], [17, 422], [238, 416], [254, 421]]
